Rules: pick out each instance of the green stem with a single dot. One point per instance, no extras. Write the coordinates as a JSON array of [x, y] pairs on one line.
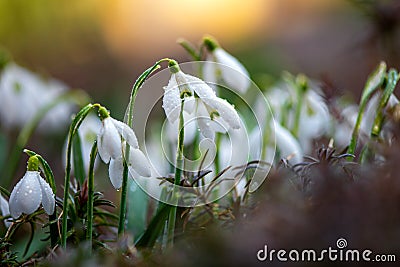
[[124, 192], [265, 137], [72, 131], [129, 121], [217, 163], [178, 173], [89, 229], [356, 130], [299, 105]]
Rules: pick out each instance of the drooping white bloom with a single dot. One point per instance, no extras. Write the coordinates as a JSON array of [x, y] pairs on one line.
[[18, 95], [4, 209], [23, 94], [314, 114], [31, 191], [288, 146], [60, 115], [114, 136], [228, 70], [212, 113]]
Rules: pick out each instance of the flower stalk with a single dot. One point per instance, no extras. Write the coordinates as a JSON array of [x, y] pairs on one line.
[[129, 121], [89, 228], [178, 173], [77, 121]]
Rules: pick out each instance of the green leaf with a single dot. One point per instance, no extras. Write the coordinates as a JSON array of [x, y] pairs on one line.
[[79, 167], [374, 82], [392, 79], [138, 202], [4, 149], [154, 230]]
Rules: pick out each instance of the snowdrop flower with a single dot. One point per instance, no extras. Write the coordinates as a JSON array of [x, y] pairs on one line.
[[212, 113], [4, 209], [23, 94], [314, 113], [31, 191], [229, 70], [112, 140], [287, 145], [18, 95], [60, 115]]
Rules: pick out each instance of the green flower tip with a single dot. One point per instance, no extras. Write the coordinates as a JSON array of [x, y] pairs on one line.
[[103, 113], [302, 82], [173, 66], [210, 43], [33, 163]]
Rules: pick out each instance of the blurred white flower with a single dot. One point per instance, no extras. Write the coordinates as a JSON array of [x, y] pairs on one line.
[[60, 115], [19, 96], [212, 113], [314, 114], [289, 148], [23, 94], [27, 195], [286, 144], [112, 140], [4, 208], [228, 70]]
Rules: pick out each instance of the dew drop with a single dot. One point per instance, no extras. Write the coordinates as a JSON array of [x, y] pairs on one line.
[[30, 191]]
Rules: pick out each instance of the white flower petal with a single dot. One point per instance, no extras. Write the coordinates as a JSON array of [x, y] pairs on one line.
[[202, 89], [226, 111], [115, 171], [190, 104], [109, 141], [205, 127], [126, 132], [48, 200], [288, 145], [139, 162], [26, 195], [190, 128], [209, 70], [233, 73], [4, 208], [172, 100]]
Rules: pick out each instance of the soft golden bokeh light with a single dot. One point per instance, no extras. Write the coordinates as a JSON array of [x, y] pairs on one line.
[[154, 26]]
